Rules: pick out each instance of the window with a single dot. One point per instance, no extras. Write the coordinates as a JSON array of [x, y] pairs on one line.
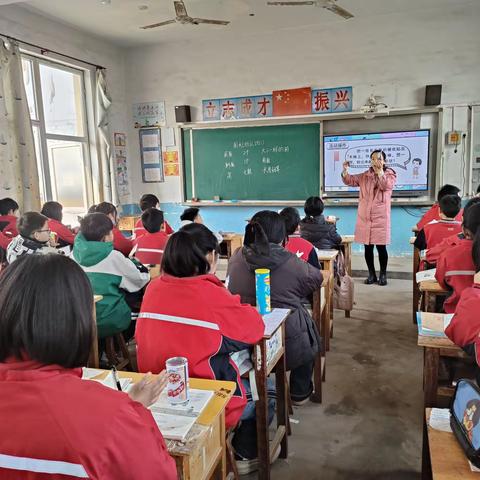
[[56, 101]]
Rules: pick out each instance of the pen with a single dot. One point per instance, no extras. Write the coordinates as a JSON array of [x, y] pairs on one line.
[[115, 379]]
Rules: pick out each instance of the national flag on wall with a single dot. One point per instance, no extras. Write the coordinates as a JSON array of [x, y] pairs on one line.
[[295, 101]]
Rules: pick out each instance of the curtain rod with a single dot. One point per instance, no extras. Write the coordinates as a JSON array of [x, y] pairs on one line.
[[44, 50]]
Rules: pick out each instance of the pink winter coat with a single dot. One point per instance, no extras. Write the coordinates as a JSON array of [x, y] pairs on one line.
[[373, 220]]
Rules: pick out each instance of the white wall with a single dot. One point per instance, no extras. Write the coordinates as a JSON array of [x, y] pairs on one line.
[[395, 56], [40, 30]]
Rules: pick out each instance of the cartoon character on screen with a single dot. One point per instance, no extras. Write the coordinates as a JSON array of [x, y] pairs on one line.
[[471, 416], [416, 162]]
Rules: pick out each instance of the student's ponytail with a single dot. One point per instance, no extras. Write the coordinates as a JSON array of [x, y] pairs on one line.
[[183, 258], [256, 238]]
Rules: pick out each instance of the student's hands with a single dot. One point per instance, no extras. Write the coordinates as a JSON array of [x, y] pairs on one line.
[[148, 389]]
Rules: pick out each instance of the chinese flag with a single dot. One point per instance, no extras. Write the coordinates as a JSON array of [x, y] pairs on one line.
[[296, 101]]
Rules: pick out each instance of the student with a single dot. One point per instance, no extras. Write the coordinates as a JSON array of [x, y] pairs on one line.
[[109, 273], [316, 229], [149, 201], [292, 280], [149, 247], [54, 424], [433, 254], [4, 241], [54, 212], [120, 242], [455, 268], [434, 212], [437, 230], [188, 312], [8, 217], [33, 237], [192, 215], [299, 246]]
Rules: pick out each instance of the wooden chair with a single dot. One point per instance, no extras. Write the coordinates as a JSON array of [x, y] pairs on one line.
[[232, 471], [121, 363]]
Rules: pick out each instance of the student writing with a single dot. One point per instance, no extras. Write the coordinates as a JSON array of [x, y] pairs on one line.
[[54, 424]]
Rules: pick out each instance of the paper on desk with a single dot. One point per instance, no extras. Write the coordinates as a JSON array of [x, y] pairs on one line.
[[325, 253], [88, 373], [440, 419], [274, 319], [437, 322], [425, 275], [109, 382]]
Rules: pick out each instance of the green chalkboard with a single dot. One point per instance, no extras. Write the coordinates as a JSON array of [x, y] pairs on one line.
[[266, 163]]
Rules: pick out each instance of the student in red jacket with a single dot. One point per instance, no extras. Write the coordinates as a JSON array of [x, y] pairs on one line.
[[4, 241], [434, 212], [294, 243], [54, 424], [149, 201], [149, 247], [437, 230], [188, 312], [455, 268], [53, 211], [120, 242], [433, 254], [8, 217]]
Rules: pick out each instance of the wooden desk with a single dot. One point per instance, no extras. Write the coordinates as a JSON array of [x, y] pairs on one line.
[[347, 241], [433, 349], [127, 223], [203, 455], [268, 356], [154, 271], [231, 241], [429, 288], [322, 322], [445, 456], [327, 258], [415, 269]]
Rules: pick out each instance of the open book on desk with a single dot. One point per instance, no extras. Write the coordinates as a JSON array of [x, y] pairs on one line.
[[433, 324], [424, 275], [175, 421]]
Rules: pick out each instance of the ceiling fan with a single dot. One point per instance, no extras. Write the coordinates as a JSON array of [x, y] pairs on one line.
[[330, 5], [183, 18]]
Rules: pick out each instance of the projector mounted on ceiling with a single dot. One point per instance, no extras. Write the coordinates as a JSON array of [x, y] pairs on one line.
[[330, 5], [183, 18]]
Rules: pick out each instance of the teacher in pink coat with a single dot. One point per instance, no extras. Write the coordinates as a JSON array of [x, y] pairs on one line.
[[374, 205]]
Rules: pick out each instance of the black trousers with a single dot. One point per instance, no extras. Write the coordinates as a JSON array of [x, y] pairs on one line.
[[382, 256], [301, 385]]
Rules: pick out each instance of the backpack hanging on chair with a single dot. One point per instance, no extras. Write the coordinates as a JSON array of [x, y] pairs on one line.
[[343, 287]]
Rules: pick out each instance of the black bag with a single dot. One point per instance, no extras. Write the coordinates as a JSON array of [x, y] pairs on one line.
[[465, 418]]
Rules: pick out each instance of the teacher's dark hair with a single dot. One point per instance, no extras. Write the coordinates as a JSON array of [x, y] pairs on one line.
[[264, 228], [313, 207], [384, 156], [46, 311], [186, 251]]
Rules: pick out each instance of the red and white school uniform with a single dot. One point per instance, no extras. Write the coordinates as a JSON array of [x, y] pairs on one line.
[[465, 324], [149, 248], [57, 426], [433, 254], [434, 214], [197, 318], [4, 241], [303, 249], [121, 243], [8, 225], [140, 229], [455, 271], [439, 230], [64, 234]]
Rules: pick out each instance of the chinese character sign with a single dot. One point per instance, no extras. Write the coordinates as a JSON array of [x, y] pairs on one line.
[[151, 114], [332, 100], [211, 110], [258, 106]]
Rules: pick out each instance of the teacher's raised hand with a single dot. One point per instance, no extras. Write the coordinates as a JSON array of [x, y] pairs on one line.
[[345, 167]]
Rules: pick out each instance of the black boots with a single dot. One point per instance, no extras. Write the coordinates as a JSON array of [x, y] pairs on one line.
[[382, 281], [372, 278]]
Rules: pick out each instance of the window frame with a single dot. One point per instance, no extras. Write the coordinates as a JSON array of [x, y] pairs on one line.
[[85, 140]]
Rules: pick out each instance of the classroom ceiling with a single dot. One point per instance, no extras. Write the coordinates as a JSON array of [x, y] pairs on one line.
[[119, 21]]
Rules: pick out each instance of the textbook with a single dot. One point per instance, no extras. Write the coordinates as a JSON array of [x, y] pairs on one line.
[[424, 275], [175, 421], [433, 324]]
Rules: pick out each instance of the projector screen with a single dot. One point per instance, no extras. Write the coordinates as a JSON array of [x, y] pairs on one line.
[[407, 153]]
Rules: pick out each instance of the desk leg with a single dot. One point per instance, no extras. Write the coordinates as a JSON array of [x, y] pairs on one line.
[[261, 409], [348, 257], [431, 361], [426, 460], [282, 401], [416, 291], [332, 282]]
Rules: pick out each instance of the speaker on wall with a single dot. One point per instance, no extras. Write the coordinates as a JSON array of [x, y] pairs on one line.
[[433, 95], [182, 114]]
